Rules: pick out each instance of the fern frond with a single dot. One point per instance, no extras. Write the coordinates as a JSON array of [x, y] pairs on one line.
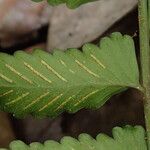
[[46, 85], [128, 138], [69, 3]]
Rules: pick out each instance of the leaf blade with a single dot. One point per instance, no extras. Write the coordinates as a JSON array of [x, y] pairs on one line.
[[127, 138], [46, 85]]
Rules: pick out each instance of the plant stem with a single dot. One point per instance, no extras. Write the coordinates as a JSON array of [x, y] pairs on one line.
[[144, 13]]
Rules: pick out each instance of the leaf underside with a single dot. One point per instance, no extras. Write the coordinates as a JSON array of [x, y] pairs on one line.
[[42, 84], [69, 3], [128, 138]]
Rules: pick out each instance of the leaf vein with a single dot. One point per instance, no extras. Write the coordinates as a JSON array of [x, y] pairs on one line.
[[55, 72], [36, 100], [18, 98], [85, 97], [87, 69], [64, 103], [37, 73], [6, 93], [6, 78], [97, 60], [18, 73], [51, 102]]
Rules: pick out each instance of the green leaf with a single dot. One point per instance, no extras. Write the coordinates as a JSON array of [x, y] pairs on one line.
[[42, 84], [128, 138], [69, 3]]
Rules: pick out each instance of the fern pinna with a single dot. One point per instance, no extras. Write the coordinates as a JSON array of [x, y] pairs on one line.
[[46, 85], [127, 138]]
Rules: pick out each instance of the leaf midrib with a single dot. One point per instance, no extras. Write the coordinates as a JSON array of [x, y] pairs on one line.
[[138, 87]]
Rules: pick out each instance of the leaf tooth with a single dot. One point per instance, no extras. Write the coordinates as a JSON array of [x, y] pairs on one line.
[[87, 69], [55, 72], [51, 102], [37, 73], [18, 73], [18, 98], [6, 78], [86, 97]]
